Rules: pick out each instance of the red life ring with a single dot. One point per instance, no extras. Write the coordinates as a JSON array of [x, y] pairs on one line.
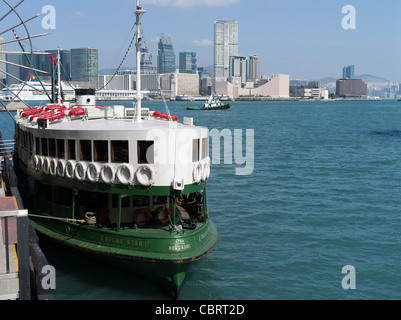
[[142, 216], [163, 215]]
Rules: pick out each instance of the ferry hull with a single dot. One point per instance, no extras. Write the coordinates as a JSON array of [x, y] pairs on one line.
[[165, 266]]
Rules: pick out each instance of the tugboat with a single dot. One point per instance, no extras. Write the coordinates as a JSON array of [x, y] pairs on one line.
[[212, 104], [127, 185]]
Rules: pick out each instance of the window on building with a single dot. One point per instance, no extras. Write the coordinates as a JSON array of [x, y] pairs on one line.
[[145, 152], [85, 150], [195, 150], [101, 151], [60, 149], [119, 151], [71, 150]]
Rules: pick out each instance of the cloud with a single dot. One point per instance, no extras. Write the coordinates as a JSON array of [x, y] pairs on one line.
[[191, 3], [78, 15], [202, 43]]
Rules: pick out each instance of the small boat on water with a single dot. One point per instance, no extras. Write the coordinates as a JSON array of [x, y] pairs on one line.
[[213, 103], [126, 185]]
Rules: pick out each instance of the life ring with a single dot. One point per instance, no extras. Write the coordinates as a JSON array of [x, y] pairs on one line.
[[45, 165], [108, 174], [145, 176], [36, 162], [70, 168], [196, 173], [93, 171], [125, 174], [163, 215], [60, 168], [80, 171], [206, 169], [53, 167], [142, 216]]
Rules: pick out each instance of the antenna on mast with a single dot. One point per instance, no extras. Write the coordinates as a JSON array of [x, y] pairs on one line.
[[138, 12]]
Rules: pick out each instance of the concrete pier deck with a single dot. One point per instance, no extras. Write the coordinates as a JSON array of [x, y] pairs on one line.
[[9, 286]]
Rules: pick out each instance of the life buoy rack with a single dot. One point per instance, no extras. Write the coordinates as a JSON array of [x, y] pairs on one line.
[[70, 168], [164, 215], [108, 174], [164, 116], [197, 172], [53, 167], [80, 171], [61, 164], [125, 174], [93, 171], [142, 216], [206, 169], [45, 165], [36, 162], [145, 176]]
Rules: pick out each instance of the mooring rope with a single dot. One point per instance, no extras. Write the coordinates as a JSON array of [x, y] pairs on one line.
[[56, 218]]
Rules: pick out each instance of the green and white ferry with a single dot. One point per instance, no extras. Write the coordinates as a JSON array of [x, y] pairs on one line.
[[127, 185]]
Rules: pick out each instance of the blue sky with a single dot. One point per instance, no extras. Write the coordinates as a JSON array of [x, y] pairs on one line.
[[304, 39]]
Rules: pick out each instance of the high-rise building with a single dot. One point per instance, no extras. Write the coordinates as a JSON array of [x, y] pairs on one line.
[[165, 55], [84, 65], [225, 46], [351, 88], [147, 66], [349, 72], [238, 68], [187, 62], [65, 63], [3, 66], [253, 67]]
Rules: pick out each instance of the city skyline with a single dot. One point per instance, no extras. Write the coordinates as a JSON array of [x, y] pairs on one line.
[[303, 40]]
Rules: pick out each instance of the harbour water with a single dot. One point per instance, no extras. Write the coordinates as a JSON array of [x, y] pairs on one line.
[[325, 192]]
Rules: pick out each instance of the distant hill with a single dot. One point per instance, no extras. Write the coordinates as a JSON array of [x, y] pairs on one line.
[[370, 80], [104, 72]]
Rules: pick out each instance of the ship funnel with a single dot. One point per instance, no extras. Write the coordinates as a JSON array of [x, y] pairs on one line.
[[85, 97]]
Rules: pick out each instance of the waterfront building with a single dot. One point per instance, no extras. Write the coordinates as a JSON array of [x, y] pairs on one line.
[[13, 71], [3, 66], [253, 70], [147, 66], [238, 69], [187, 62], [351, 88], [165, 55], [176, 84], [349, 72], [126, 80], [225, 46], [84, 64], [277, 86], [65, 62]]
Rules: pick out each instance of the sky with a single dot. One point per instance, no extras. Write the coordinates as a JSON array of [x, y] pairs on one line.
[[303, 38]]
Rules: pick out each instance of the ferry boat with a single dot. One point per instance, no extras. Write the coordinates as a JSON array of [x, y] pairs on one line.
[[33, 92], [213, 103], [126, 185]]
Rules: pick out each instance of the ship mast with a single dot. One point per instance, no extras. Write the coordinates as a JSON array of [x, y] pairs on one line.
[[139, 12], [58, 77]]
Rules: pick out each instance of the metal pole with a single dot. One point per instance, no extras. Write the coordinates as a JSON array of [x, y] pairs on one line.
[[138, 12], [119, 212], [6, 244]]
